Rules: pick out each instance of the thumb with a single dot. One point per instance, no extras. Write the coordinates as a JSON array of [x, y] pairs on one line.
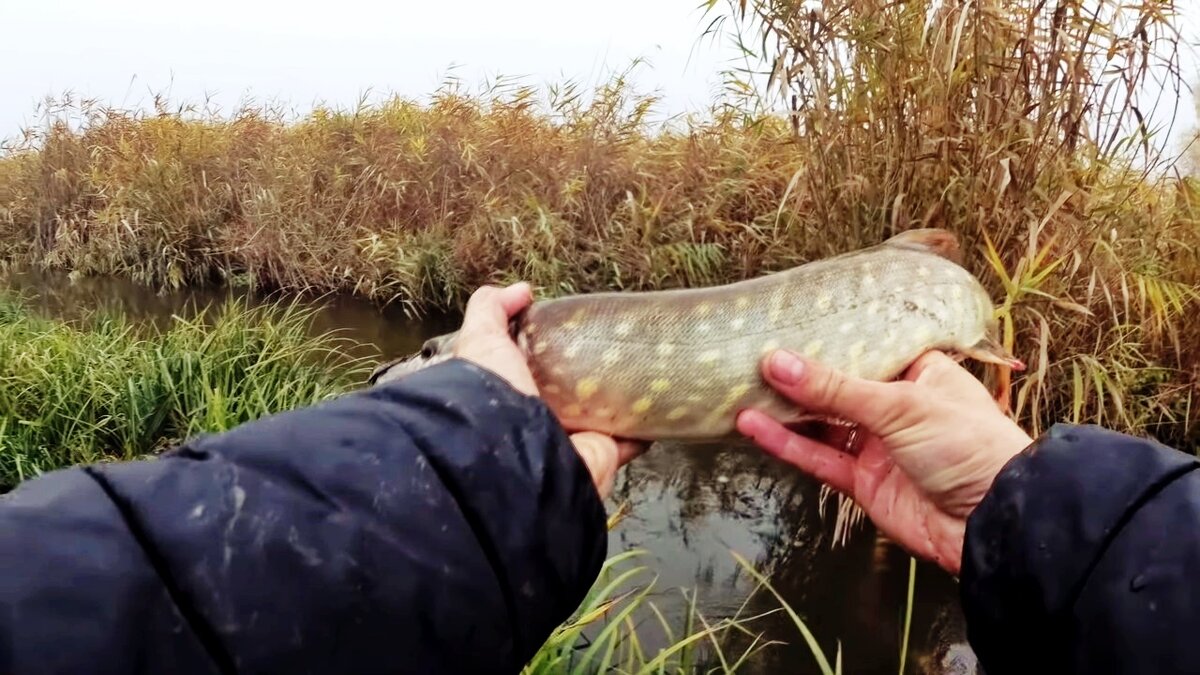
[[817, 388], [490, 308], [604, 456]]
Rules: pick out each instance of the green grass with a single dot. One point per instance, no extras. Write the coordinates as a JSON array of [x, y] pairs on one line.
[[105, 389]]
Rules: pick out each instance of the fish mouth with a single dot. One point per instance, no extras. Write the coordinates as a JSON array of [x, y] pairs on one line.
[[404, 366], [434, 351]]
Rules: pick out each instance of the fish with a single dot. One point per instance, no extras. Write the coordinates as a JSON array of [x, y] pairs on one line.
[[680, 364]]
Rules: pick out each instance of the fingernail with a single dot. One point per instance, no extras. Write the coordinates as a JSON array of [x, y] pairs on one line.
[[786, 368]]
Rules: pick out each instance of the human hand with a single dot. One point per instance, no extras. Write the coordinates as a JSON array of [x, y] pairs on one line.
[[484, 340], [934, 442]]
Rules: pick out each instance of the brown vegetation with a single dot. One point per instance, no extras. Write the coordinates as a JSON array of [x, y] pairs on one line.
[[1018, 125]]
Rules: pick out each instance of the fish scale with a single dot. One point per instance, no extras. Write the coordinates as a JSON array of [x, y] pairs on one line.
[[681, 363]]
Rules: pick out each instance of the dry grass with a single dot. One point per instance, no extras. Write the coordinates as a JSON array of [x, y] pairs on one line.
[[1018, 125]]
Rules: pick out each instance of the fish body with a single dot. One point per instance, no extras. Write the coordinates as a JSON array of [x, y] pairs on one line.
[[681, 363]]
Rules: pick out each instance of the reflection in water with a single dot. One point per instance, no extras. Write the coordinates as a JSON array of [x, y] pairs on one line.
[[691, 505]]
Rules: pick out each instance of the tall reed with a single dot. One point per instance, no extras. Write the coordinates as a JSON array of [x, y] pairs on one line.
[[1022, 126]]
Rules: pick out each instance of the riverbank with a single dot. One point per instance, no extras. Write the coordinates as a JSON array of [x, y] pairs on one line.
[[1093, 265], [106, 388]]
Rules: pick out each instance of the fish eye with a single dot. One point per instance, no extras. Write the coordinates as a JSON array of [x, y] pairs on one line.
[[427, 352]]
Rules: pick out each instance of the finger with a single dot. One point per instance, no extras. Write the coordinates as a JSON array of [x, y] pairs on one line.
[[600, 453], [938, 371], [813, 457], [929, 361], [817, 388], [627, 451], [490, 308]]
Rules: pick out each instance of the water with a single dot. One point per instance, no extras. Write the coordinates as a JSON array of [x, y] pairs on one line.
[[691, 507]]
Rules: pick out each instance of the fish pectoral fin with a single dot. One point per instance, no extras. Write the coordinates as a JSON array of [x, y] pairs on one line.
[[988, 350]]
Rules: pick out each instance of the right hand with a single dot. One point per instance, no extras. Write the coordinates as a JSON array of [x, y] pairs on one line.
[[934, 442]]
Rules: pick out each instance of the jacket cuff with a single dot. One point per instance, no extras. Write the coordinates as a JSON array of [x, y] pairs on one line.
[[1049, 516]]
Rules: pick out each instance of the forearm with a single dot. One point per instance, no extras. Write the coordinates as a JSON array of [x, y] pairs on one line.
[[380, 532]]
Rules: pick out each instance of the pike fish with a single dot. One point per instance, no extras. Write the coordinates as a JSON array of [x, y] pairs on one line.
[[680, 364]]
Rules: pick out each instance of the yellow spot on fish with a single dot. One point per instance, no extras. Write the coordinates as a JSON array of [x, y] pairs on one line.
[[731, 398], [770, 345], [573, 410], [552, 389], [703, 327], [586, 387], [703, 309], [556, 370], [857, 349], [694, 398], [846, 327], [742, 302], [922, 271], [660, 385], [571, 350], [813, 348], [530, 328], [604, 412], [570, 325], [623, 329], [677, 413], [824, 301], [956, 292], [642, 405], [612, 356], [710, 356], [738, 323], [665, 348], [540, 347]]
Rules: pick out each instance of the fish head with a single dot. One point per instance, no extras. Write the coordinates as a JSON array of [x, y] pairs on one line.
[[433, 351]]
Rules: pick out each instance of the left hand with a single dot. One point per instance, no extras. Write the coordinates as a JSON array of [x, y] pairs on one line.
[[484, 340]]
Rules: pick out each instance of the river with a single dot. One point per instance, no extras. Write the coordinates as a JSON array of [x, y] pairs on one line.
[[690, 507]]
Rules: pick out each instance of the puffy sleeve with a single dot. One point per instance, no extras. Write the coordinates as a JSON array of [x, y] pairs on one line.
[[439, 523], [1084, 556]]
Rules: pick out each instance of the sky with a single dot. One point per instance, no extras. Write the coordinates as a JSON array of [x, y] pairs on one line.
[[304, 52]]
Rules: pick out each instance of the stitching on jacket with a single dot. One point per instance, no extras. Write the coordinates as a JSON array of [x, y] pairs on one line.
[[204, 632]]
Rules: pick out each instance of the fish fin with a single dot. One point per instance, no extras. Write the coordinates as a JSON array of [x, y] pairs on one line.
[[989, 350], [935, 240]]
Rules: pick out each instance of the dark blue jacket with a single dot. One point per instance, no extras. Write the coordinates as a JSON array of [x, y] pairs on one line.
[[444, 524], [1084, 557], [439, 524]]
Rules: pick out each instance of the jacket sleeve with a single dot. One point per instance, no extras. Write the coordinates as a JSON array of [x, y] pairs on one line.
[[442, 523], [1084, 558]]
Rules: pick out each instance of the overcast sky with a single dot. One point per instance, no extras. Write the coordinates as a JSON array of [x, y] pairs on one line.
[[303, 51]]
